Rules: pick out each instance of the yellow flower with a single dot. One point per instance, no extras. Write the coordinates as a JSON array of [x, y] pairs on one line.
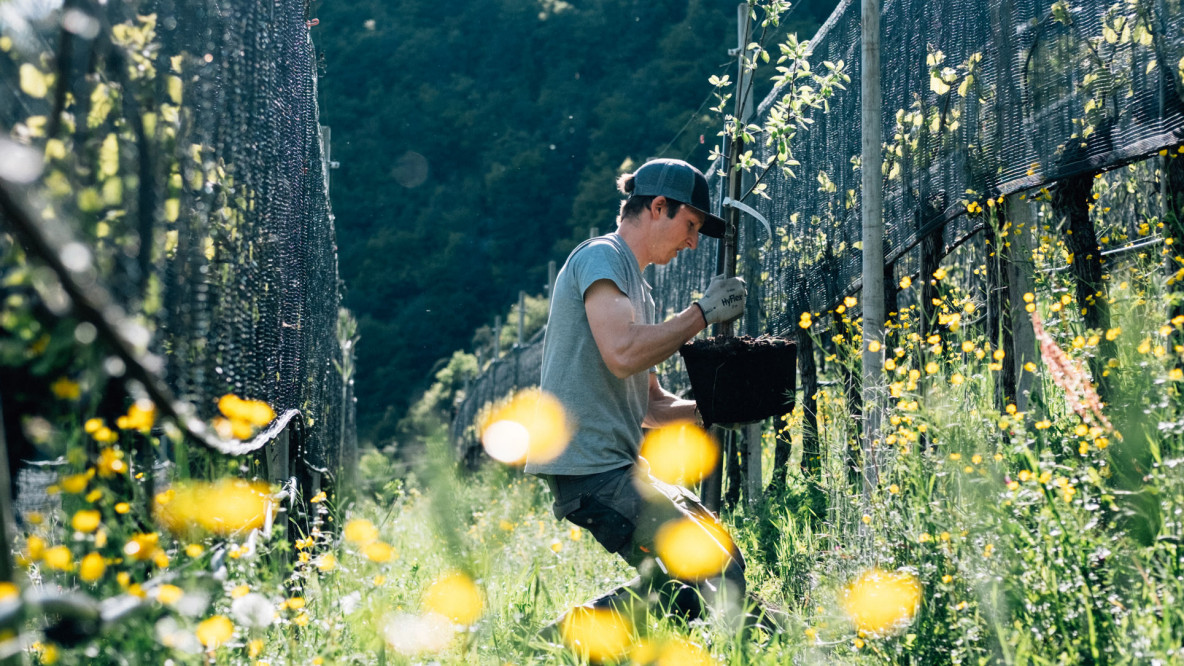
[[240, 591], [253, 412], [76, 483], [693, 549], [681, 453], [956, 379], [169, 594], [105, 435], [92, 567], [122, 507], [575, 534], [931, 367], [92, 425], [8, 591], [939, 274], [532, 422], [59, 558], [140, 416], [327, 562], [66, 389], [456, 597], [906, 282], [881, 602], [319, 497], [224, 507], [379, 552], [194, 550], [215, 631], [360, 531], [255, 648], [142, 546], [111, 463], [87, 520], [599, 634], [295, 603]]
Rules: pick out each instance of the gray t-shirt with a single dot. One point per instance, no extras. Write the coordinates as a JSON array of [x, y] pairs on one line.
[[607, 411]]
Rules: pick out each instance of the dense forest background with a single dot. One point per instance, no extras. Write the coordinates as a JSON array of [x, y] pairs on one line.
[[479, 140]]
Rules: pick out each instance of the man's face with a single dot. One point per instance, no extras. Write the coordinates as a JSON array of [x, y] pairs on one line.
[[676, 234]]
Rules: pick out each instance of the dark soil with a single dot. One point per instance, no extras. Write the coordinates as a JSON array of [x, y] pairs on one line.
[[741, 379]]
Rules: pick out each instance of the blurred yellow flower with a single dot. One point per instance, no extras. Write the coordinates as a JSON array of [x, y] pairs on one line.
[[575, 534], [111, 463], [65, 389], [252, 412], [681, 453], [142, 546], [318, 498], [8, 591], [880, 602], [597, 634], [693, 549], [295, 603], [456, 597], [379, 552], [532, 424], [224, 507], [169, 594], [240, 591], [92, 425], [87, 520], [327, 562], [360, 531], [76, 483], [92, 567], [140, 416], [906, 282], [680, 652], [215, 631], [59, 558]]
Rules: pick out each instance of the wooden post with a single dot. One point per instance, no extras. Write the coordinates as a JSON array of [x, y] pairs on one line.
[[521, 316], [497, 337], [872, 209], [855, 453], [999, 311], [7, 517], [727, 257], [1070, 201], [1020, 279]]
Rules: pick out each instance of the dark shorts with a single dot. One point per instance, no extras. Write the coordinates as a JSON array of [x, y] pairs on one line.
[[624, 509]]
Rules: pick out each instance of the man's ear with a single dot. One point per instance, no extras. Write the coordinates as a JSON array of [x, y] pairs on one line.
[[657, 205]]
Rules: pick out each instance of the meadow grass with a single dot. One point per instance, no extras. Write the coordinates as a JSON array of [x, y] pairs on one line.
[[1046, 532]]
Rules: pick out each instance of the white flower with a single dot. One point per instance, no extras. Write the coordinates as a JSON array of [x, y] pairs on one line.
[[253, 610]]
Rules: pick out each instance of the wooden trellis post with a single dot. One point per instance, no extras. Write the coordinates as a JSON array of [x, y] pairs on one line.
[[999, 311], [1017, 247], [1071, 199], [872, 209]]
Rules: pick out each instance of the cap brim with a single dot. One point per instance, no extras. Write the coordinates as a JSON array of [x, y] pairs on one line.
[[712, 226]]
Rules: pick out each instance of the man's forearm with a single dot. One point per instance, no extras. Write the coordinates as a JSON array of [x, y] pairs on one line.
[[648, 345]]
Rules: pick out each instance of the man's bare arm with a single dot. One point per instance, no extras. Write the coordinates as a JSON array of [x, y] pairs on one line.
[[626, 346], [665, 407]]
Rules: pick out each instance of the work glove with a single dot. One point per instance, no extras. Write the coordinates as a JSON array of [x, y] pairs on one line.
[[724, 299]]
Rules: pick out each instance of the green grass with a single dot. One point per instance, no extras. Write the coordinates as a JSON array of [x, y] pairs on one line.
[[1034, 539]]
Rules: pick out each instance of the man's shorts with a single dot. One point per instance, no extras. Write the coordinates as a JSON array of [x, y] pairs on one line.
[[624, 508]]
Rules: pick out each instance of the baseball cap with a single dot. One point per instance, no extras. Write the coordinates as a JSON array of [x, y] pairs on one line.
[[678, 180]]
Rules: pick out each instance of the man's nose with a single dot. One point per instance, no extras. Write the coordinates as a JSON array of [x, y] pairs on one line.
[[694, 240]]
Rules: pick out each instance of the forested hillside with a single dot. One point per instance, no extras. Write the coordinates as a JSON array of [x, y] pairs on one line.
[[478, 140]]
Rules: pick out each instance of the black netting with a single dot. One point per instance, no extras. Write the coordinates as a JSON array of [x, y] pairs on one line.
[[209, 220], [980, 100]]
